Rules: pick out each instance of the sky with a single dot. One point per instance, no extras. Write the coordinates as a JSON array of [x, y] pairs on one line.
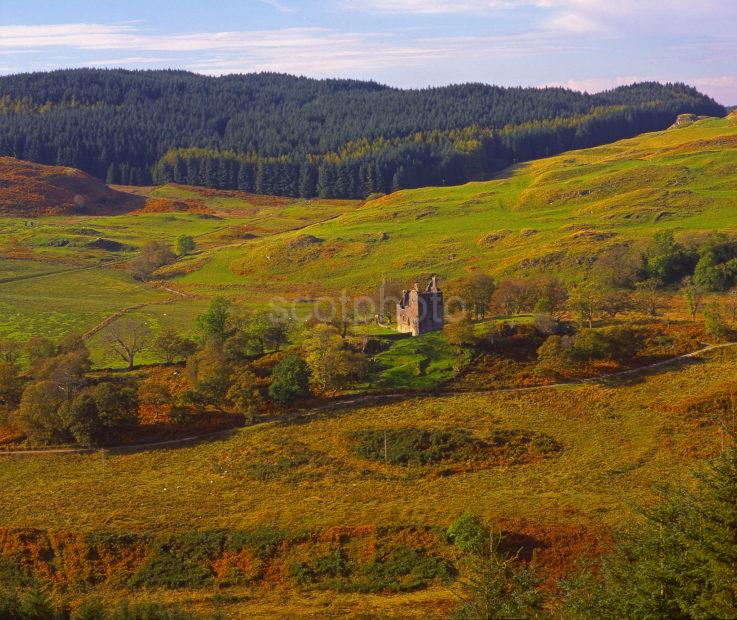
[[589, 45]]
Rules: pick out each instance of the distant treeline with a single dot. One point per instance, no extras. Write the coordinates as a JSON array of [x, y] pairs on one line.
[[278, 134]]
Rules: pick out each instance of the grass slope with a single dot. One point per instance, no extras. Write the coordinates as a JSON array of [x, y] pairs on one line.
[[616, 442], [552, 213]]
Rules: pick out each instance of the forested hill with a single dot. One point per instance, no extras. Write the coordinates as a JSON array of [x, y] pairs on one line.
[[279, 134]]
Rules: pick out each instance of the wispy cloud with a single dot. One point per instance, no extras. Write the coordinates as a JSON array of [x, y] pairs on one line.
[[565, 40], [129, 60], [654, 17], [307, 50], [438, 7], [279, 6]]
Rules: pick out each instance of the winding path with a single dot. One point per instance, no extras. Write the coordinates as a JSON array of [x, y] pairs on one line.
[[367, 399]]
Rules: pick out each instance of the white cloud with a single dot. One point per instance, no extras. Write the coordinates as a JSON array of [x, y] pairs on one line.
[[128, 60], [583, 17], [597, 85], [279, 6], [409, 57], [435, 7], [315, 51]]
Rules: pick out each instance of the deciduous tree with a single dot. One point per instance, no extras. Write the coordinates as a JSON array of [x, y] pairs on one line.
[[126, 338]]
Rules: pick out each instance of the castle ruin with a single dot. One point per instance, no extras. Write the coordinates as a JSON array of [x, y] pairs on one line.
[[419, 312]]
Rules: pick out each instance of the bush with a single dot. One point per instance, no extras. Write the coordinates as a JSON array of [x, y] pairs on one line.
[[404, 569], [468, 533], [614, 343], [331, 566], [416, 446], [290, 380], [413, 446], [590, 344], [183, 562], [555, 354], [262, 541], [624, 343]]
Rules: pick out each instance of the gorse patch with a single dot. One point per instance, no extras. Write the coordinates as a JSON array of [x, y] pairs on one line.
[[400, 569], [415, 446]]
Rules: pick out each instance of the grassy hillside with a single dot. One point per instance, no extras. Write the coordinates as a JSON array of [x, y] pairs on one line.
[[556, 213], [302, 515], [306, 480], [88, 254]]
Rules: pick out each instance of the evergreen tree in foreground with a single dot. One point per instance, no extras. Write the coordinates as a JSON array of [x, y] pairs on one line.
[[682, 562]]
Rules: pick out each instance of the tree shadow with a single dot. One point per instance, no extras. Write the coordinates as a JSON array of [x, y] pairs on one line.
[[637, 376], [172, 444], [520, 545]]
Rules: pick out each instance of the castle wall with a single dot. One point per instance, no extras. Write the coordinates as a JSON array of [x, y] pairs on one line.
[[420, 312]]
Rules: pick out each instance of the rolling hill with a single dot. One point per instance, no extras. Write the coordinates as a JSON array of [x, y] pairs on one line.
[[293, 517], [557, 213], [33, 190], [279, 134]]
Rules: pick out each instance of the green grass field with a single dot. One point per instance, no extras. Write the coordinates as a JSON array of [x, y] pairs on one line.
[[545, 214], [73, 301], [550, 214]]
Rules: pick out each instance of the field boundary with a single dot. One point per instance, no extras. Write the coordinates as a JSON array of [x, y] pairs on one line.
[[360, 401]]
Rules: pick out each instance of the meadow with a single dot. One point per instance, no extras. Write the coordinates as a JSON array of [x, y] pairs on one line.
[[552, 214]]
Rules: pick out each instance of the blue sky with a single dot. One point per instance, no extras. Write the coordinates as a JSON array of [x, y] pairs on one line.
[[584, 44]]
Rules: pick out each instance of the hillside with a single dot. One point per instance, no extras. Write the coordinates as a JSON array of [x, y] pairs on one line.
[[32, 190], [342, 510], [558, 213], [226, 523], [278, 134]]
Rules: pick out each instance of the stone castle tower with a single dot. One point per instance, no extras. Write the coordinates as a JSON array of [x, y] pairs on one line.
[[419, 312]]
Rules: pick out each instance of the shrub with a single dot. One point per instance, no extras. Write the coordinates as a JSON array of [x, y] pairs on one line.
[[624, 343], [262, 541], [714, 323], [555, 354], [185, 245], [404, 569], [154, 254], [290, 380], [416, 446], [39, 416], [183, 562], [468, 533], [426, 447], [331, 566], [590, 344]]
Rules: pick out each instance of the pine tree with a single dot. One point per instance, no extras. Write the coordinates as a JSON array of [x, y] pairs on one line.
[[680, 562], [112, 174], [307, 181]]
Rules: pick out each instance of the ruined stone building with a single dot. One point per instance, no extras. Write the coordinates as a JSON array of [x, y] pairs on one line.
[[419, 312]]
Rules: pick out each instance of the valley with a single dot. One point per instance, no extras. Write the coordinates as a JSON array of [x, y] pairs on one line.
[[551, 409]]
